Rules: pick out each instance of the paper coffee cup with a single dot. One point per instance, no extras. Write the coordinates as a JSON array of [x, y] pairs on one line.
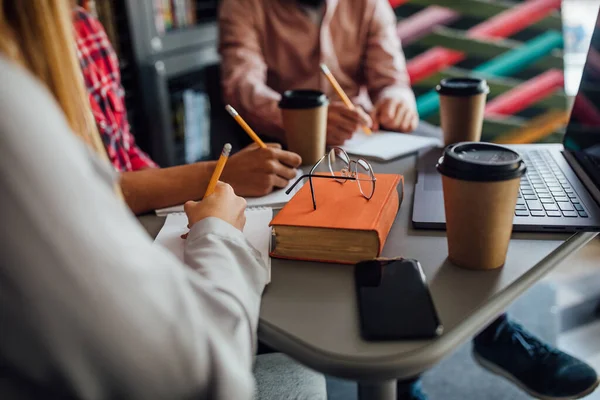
[[304, 115], [462, 104], [480, 182]]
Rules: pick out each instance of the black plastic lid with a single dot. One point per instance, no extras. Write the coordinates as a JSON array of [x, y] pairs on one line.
[[303, 99], [462, 87], [483, 162]]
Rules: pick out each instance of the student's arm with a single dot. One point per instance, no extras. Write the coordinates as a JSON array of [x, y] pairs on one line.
[[153, 188], [243, 68], [385, 70], [91, 308], [252, 172]]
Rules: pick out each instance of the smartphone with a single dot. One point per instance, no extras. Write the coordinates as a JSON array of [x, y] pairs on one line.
[[394, 301]]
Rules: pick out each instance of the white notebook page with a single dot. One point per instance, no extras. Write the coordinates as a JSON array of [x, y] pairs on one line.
[[384, 146], [257, 231]]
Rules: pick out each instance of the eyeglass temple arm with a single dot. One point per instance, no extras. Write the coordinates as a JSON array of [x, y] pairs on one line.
[[317, 176]]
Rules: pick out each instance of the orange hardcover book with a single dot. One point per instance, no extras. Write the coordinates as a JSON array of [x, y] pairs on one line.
[[345, 228]]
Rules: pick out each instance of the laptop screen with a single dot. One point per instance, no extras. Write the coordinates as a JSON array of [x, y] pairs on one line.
[[582, 138]]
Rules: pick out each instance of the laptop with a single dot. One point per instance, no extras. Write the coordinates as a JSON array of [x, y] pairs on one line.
[[561, 189]]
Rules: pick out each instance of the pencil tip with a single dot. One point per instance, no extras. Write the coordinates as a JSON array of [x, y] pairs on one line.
[[324, 68]]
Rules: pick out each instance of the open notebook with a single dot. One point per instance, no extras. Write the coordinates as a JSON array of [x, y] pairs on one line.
[[256, 231], [384, 146], [276, 199]]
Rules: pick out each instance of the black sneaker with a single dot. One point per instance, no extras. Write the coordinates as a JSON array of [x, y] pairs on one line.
[[410, 390], [536, 367]]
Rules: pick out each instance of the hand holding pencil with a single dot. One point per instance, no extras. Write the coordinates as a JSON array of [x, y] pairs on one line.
[[225, 206], [336, 86]]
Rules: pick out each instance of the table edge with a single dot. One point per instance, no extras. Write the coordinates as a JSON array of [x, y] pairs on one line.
[[406, 365]]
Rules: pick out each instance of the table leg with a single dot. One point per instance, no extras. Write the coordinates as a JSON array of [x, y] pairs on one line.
[[377, 391]]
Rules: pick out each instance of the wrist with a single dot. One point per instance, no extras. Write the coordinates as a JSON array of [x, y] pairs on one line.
[[203, 172]]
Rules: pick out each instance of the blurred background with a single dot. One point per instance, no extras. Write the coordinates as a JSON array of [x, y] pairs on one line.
[[169, 65]]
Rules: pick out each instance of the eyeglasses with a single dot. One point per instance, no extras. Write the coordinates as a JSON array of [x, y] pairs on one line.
[[342, 169]]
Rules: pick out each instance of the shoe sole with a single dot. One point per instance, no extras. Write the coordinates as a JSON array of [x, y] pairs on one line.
[[493, 368]]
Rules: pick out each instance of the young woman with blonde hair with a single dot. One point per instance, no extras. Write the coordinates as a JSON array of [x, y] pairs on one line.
[[90, 308]]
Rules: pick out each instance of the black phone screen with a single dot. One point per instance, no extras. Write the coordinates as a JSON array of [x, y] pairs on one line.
[[394, 301]]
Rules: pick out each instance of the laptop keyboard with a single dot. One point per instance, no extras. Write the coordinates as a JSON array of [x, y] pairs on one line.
[[545, 191]]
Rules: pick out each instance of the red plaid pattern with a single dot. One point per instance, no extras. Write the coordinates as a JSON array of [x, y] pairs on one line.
[[100, 68]]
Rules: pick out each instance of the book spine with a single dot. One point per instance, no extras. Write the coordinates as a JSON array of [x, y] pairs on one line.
[[388, 213]]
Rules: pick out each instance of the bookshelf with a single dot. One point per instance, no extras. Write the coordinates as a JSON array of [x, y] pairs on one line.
[[165, 48]]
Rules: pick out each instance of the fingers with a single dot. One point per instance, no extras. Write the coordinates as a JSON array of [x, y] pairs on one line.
[[241, 221], [365, 118], [414, 122], [280, 182], [223, 187], [343, 125], [340, 127], [390, 111], [250, 147], [402, 115], [375, 119], [189, 206], [409, 119], [385, 112], [356, 116], [288, 158], [337, 136], [280, 162], [277, 168], [397, 115]]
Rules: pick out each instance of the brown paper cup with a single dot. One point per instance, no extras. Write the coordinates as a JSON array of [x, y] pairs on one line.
[[306, 132], [479, 220], [462, 117]]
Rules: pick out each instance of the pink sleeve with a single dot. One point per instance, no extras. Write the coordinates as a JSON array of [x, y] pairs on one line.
[[385, 65], [243, 69]]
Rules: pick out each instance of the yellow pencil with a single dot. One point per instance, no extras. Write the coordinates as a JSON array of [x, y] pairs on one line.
[[238, 118], [218, 170], [341, 93]]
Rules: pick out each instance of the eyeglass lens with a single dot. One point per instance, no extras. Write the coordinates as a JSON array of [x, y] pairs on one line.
[[339, 163], [365, 178]]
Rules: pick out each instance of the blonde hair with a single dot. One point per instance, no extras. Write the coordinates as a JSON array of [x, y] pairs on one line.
[[39, 35]]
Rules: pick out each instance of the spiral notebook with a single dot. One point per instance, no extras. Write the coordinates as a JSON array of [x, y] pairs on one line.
[[257, 231]]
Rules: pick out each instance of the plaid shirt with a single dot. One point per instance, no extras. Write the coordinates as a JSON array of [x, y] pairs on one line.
[[100, 69]]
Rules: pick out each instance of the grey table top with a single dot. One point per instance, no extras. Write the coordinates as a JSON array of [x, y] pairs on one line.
[[309, 310]]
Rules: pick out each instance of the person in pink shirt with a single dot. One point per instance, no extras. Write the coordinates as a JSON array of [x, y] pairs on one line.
[[270, 46]]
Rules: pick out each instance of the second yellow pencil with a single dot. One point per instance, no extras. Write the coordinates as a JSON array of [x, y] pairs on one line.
[[238, 118], [341, 93]]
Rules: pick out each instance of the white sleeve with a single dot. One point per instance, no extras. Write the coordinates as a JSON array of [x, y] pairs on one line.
[[89, 306]]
